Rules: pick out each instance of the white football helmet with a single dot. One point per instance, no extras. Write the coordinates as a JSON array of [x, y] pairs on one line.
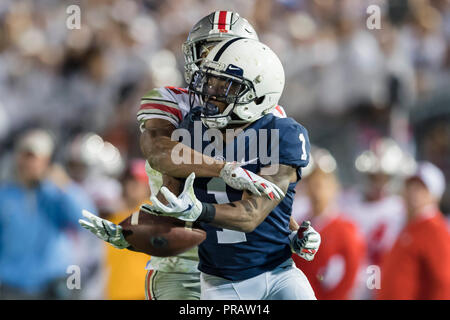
[[387, 157], [244, 73], [210, 30]]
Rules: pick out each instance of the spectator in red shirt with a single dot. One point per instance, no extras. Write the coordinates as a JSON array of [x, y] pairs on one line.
[[418, 265], [333, 271]]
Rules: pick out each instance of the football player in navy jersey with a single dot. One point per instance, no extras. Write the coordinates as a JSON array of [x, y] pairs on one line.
[[246, 254], [162, 110]]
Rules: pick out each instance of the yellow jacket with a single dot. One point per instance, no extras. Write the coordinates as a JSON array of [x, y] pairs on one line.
[[126, 280]]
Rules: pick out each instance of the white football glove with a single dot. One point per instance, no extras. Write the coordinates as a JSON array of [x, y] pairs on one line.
[[242, 179], [104, 229], [184, 207], [305, 241]]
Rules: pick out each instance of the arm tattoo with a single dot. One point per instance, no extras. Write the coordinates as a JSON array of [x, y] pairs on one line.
[[247, 206]]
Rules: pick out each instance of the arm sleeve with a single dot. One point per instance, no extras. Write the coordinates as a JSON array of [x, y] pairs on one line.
[[156, 104]]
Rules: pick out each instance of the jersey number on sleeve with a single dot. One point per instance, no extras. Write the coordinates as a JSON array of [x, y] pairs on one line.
[[217, 188], [303, 140]]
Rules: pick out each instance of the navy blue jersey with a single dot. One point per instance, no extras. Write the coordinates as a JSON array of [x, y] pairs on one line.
[[236, 255]]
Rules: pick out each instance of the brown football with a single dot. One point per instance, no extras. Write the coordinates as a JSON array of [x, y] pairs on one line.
[[160, 236]]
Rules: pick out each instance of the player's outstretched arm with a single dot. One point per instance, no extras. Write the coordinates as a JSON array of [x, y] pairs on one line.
[[104, 230], [157, 147], [247, 214], [244, 215]]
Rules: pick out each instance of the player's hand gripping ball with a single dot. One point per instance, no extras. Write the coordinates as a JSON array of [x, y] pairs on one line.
[[185, 207], [147, 233], [160, 236]]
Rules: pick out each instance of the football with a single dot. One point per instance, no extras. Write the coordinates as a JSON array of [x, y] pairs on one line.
[[160, 236]]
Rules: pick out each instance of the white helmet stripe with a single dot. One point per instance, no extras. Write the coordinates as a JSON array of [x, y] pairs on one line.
[[216, 19], [228, 20]]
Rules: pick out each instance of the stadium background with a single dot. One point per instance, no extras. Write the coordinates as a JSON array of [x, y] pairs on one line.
[[348, 85]]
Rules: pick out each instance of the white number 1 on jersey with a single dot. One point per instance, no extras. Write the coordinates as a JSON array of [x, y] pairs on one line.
[[217, 188], [303, 140]]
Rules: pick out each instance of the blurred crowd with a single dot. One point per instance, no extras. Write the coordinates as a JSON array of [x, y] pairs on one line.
[[376, 99]]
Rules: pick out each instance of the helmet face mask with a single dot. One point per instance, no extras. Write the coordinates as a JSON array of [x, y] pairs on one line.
[[212, 84], [219, 86], [194, 52], [243, 78]]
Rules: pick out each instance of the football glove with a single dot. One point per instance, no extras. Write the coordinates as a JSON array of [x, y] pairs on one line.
[[184, 207], [104, 230], [305, 241], [240, 179]]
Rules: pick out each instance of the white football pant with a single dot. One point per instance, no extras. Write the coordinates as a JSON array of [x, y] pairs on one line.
[[285, 282]]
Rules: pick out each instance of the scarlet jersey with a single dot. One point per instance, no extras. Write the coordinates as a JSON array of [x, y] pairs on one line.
[[333, 272], [173, 104], [418, 266], [379, 221]]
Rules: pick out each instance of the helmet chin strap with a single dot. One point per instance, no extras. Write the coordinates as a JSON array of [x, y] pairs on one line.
[[211, 118], [210, 109], [210, 113]]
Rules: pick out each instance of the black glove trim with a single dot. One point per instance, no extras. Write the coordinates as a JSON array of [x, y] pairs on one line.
[[208, 213]]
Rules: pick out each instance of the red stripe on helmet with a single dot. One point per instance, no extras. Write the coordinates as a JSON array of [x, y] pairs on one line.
[[222, 21]]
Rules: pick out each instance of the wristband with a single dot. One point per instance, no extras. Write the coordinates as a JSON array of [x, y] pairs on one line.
[[208, 213]]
